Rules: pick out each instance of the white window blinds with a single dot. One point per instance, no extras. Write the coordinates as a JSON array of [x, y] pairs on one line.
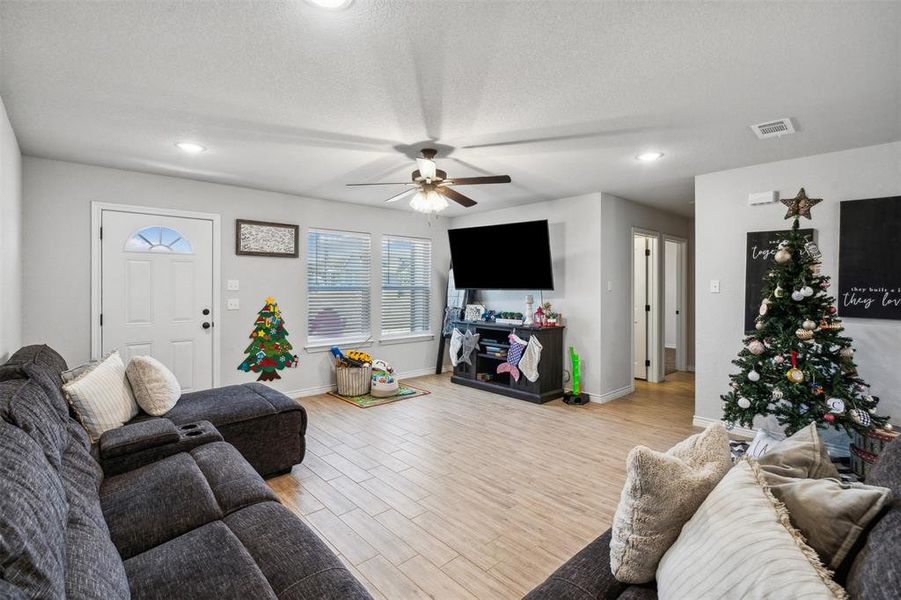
[[406, 285], [338, 286]]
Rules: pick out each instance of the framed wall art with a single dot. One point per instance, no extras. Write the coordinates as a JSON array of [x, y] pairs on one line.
[[261, 238]]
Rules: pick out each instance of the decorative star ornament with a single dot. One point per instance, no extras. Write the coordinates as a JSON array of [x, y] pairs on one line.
[[800, 205]]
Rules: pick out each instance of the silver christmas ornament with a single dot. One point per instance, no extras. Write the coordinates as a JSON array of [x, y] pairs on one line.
[[754, 376], [744, 402], [759, 326], [783, 256], [807, 291], [797, 296], [777, 394], [809, 325], [756, 347], [779, 359], [847, 352], [836, 405]]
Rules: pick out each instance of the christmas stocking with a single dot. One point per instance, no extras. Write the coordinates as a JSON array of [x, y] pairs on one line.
[[470, 342], [530, 359], [514, 354], [456, 343]]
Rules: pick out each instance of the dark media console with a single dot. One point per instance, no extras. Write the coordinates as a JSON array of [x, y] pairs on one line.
[[547, 387]]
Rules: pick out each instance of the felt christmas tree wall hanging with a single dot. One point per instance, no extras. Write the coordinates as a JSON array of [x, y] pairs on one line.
[[797, 365], [269, 350]]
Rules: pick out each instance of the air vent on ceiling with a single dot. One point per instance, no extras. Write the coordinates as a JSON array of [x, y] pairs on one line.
[[776, 128]]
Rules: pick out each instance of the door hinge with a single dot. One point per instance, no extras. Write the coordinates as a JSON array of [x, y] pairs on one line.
[[647, 363], [101, 319], [101, 233], [647, 308], [647, 251]]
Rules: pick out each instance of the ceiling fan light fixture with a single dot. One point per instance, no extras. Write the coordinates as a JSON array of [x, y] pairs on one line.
[[190, 147], [429, 202], [650, 156], [331, 4]]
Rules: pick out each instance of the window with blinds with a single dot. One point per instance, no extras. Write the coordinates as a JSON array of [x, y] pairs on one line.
[[338, 286], [406, 285]]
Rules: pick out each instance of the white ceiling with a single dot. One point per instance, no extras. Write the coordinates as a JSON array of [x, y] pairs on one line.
[[560, 95]]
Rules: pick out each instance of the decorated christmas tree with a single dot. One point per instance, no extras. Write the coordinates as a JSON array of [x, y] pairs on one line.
[[797, 365], [269, 350]]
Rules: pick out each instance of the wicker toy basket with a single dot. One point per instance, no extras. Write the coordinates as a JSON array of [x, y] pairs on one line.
[[353, 381]]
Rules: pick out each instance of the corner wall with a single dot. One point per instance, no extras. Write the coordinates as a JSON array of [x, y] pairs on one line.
[[723, 218], [10, 238], [57, 262]]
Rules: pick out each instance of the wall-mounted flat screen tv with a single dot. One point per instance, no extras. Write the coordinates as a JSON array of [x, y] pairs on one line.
[[512, 256]]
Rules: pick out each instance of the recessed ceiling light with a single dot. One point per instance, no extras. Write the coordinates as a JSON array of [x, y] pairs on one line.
[[649, 156], [331, 4], [190, 147]]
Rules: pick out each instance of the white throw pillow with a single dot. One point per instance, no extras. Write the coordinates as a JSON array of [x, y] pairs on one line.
[[740, 544], [155, 387], [101, 397]]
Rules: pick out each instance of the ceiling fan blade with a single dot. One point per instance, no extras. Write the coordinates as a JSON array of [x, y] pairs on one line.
[[383, 183], [457, 197], [427, 168], [401, 195], [478, 180]]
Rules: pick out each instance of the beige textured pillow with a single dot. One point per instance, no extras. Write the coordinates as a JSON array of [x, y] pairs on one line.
[[155, 387], [740, 544], [101, 397], [661, 493], [830, 514], [803, 456]]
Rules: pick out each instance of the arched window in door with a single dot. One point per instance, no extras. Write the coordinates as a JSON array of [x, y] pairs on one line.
[[158, 239]]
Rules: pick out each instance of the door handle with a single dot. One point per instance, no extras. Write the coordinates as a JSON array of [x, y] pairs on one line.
[[206, 325]]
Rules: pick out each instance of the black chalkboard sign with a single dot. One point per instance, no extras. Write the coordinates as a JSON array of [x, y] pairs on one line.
[[762, 245], [869, 259]]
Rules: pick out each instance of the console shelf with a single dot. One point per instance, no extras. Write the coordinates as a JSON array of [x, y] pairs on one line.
[[549, 384]]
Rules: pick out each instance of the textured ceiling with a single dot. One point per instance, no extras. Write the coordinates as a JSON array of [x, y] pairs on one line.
[[560, 95]]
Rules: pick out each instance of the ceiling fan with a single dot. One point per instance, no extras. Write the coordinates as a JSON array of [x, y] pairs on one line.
[[431, 187]]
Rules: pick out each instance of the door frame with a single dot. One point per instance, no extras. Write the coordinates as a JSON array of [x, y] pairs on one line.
[[97, 209], [681, 300], [655, 353]]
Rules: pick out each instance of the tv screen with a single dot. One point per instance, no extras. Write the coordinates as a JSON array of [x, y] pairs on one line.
[[513, 256]]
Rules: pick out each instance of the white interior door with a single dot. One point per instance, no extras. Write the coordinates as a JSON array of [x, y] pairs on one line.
[[157, 292], [639, 309]]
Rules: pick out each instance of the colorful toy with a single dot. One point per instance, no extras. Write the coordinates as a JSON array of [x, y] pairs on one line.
[[575, 396], [269, 350], [351, 359], [384, 384]]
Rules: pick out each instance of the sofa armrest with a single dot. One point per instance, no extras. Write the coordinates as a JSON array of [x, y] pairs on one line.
[[137, 444], [587, 576], [137, 436]]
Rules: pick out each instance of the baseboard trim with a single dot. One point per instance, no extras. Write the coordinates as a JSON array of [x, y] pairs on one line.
[[739, 431], [690, 368], [324, 389], [612, 395]]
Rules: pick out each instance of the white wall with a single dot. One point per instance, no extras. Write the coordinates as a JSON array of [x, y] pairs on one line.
[[10, 238], [618, 218], [723, 218], [57, 214], [574, 225], [670, 301]]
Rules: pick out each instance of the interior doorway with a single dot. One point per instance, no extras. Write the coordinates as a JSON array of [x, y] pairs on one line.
[[675, 289], [644, 304]]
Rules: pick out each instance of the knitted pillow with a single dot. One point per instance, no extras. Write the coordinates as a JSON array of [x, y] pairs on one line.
[[155, 387], [661, 493]]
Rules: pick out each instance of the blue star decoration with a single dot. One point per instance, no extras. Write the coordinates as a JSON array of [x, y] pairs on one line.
[[800, 205]]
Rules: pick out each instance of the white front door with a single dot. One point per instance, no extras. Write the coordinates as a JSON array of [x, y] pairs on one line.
[[640, 307], [157, 292]]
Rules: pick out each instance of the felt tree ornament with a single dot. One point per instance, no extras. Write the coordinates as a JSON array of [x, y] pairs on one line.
[[269, 350], [797, 365]]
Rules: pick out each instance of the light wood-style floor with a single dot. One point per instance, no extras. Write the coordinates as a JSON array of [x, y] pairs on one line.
[[466, 494]]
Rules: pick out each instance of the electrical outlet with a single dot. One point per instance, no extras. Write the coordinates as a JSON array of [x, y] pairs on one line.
[[714, 286], [233, 285], [233, 304]]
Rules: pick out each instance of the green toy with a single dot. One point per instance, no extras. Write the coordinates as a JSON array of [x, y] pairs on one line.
[[576, 396]]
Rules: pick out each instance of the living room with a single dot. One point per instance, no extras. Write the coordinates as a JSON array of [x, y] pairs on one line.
[[399, 299]]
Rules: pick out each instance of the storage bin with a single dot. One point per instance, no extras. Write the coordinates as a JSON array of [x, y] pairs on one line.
[[353, 381]]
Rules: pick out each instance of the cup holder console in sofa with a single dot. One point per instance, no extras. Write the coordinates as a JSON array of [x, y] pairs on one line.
[[137, 444]]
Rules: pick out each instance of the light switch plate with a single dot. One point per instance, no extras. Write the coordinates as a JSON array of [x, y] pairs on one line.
[[714, 286], [233, 285], [233, 304]]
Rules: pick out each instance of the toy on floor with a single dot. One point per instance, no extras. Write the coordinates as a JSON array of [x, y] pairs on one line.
[[353, 358], [576, 396], [384, 383]]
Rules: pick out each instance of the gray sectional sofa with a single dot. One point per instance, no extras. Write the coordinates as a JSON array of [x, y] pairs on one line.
[[179, 513]]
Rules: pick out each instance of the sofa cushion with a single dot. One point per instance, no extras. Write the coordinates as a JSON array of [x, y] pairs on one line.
[[155, 387], [158, 502], [33, 514], [94, 568], [293, 559], [206, 563], [40, 355], [27, 407], [233, 481], [875, 573], [661, 492], [230, 404]]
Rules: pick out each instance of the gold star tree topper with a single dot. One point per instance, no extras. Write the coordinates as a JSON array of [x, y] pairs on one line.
[[800, 205]]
